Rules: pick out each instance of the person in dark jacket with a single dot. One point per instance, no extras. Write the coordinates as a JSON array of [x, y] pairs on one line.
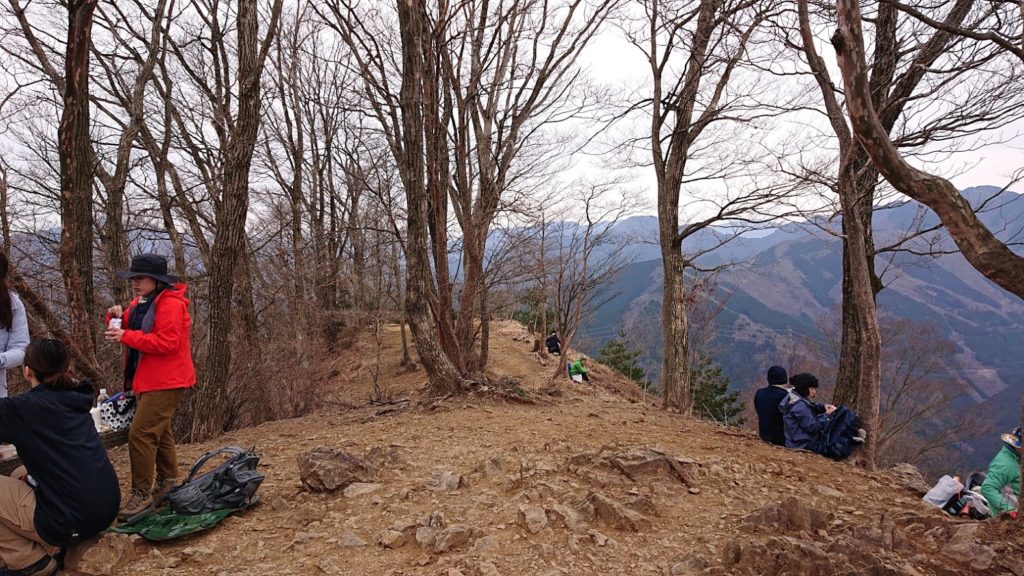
[[158, 369], [766, 403], [554, 344], [67, 488], [803, 418]]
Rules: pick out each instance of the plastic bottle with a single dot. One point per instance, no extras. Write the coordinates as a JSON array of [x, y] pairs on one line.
[[97, 420], [103, 397], [114, 323]]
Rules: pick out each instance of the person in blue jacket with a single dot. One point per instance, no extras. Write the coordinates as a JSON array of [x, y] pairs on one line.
[[67, 489], [803, 418]]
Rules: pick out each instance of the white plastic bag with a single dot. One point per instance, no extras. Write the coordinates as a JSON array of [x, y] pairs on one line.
[[946, 488]]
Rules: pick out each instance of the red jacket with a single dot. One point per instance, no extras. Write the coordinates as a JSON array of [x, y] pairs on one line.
[[166, 360]]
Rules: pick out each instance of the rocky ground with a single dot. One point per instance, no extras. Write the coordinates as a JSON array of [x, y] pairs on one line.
[[530, 478]]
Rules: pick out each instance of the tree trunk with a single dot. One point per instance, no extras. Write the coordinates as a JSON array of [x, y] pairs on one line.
[[76, 175], [863, 371], [443, 376], [230, 217], [675, 327], [858, 193]]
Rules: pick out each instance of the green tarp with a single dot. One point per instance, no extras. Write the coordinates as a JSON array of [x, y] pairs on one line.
[[166, 525]]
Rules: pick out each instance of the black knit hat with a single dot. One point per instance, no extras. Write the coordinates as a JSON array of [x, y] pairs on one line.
[[803, 382], [777, 375]]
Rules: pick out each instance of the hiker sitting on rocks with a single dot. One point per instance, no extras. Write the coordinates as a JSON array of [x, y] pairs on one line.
[[1001, 487], [820, 428], [67, 488], [766, 403], [803, 419], [578, 372], [554, 344]]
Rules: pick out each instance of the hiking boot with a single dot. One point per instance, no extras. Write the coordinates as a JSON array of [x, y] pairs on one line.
[[46, 566], [163, 486], [139, 501]]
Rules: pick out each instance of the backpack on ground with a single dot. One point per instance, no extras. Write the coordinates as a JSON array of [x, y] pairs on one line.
[[231, 485], [836, 440], [201, 502]]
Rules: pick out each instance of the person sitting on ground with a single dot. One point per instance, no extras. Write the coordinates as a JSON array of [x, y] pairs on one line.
[[766, 403], [1001, 487], [67, 489], [803, 419], [578, 369], [554, 344]]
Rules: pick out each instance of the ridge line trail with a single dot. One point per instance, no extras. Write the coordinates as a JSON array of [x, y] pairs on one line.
[[513, 455]]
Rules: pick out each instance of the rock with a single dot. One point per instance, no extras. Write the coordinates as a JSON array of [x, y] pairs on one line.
[[391, 539], [977, 556], [302, 537], [640, 463], [350, 540], [695, 564], [452, 537], [357, 489], [485, 546], [616, 515], [643, 505], [600, 539], [197, 551], [488, 569], [107, 554], [792, 515], [446, 481], [492, 467], [426, 536], [533, 518], [910, 477], [325, 469], [405, 525], [828, 491], [568, 517]]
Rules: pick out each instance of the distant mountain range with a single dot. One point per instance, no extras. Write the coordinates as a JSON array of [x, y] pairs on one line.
[[788, 280]]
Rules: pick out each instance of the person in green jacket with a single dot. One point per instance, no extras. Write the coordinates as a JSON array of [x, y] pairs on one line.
[[578, 369], [1002, 483]]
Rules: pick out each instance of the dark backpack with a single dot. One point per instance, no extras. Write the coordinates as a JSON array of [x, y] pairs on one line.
[[836, 440], [230, 486]]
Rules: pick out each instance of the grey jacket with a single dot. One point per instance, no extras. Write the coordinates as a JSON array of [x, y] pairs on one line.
[[13, 342]]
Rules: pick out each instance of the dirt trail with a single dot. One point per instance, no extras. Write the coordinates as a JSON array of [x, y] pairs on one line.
[[567, 479]]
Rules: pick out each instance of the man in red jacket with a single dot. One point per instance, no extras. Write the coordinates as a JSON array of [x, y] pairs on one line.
[[158, 369]]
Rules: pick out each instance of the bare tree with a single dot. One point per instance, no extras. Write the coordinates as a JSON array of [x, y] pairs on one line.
[[687, 104], [232, 209], [987, 253]]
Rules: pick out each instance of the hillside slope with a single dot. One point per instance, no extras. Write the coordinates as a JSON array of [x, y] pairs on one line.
[[564, 479]]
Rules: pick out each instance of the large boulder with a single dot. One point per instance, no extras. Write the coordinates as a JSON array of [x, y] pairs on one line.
[[324, 469]]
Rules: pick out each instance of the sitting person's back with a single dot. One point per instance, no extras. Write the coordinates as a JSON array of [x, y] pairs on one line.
[[766, 403], [67, 486], [554, 344], [1001, 487], [803, 420]]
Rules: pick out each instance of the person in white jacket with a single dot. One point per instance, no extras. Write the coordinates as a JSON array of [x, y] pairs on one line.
[[13, 328]]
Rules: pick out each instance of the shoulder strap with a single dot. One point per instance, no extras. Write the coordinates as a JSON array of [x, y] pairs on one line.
[[233, 450]]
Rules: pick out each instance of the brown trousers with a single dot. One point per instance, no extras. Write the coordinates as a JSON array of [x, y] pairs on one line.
[[20, 545], [150, 440]]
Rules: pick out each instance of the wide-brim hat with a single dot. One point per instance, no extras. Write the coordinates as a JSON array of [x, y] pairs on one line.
[[1013, 439], [152, 265]]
